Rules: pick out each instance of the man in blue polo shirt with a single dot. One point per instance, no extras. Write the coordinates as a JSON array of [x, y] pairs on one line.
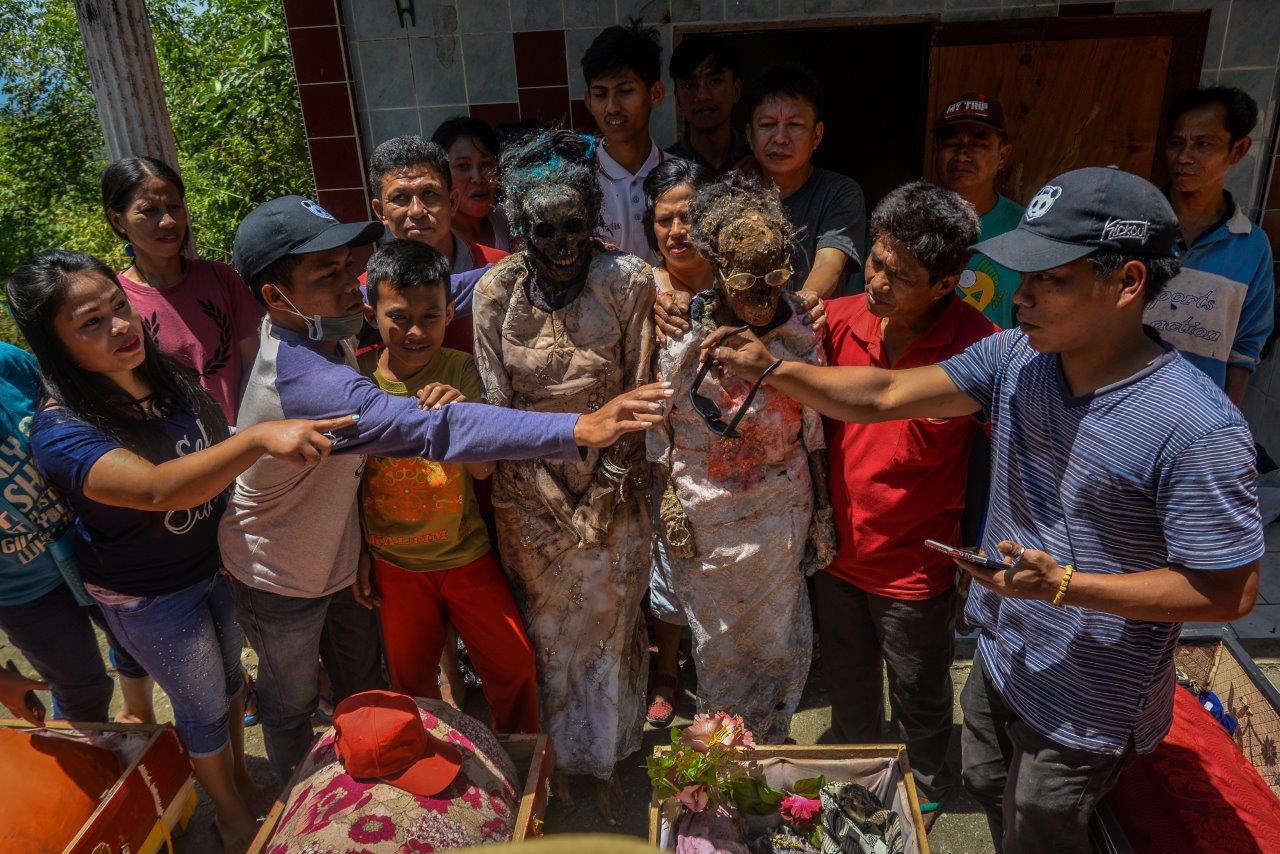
[[1219, 311], [1123, 502]]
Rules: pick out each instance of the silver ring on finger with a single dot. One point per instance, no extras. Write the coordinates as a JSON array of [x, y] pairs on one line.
[[1017, 556]]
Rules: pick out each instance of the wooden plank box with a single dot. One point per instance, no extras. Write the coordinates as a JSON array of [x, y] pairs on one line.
[[149, 804], [824, 753], [534, 761]]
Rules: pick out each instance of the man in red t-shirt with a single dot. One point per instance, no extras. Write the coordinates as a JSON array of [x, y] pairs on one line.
[[413, 198], [895, 484]]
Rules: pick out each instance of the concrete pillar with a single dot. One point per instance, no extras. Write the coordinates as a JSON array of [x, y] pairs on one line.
[[126, 79]]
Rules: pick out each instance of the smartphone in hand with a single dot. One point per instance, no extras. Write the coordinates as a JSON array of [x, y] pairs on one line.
[[968, 555]]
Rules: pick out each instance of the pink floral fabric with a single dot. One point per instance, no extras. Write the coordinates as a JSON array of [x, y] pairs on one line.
[[330, 812]]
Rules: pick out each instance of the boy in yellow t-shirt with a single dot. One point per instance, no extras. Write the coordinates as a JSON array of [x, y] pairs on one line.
[[432, 562]]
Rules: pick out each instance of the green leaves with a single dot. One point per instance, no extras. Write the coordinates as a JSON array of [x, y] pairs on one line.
[[754, 796], [810, 787], [232, 99]]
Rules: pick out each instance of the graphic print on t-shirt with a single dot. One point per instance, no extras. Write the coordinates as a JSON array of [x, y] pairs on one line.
[[220, 356], [978, 285], [413, 491], [182, 521], [30, 512]]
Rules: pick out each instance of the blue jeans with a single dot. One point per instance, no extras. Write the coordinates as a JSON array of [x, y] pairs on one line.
[[190, 642], [54, 633]]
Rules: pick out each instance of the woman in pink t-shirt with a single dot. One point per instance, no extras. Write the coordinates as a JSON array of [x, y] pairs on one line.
[[199, 312]]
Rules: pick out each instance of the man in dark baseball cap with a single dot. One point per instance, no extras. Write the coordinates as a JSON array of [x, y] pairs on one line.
[[971, 149], [1085, 210], [972, 108], [292, 225], [1122, 502], [289, 245], [1125, 229], [291, 537]]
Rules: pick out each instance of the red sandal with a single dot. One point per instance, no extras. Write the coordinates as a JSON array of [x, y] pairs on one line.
[[662, 709]]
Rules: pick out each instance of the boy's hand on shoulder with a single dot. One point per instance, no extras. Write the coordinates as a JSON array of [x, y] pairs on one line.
[[437, 395]]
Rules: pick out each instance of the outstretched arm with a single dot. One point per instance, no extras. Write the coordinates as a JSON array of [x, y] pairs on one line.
[[121, 478], [863, 395]]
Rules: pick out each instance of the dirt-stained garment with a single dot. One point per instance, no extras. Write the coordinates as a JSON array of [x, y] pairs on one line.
[[749, 502], [575, 535]]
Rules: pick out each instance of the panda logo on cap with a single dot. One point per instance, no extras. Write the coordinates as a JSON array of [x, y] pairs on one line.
[[315, 209], [1039, 206]]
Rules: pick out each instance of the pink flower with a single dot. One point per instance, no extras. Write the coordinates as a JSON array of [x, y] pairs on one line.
[[719, 728], [372, 828], [693, 797], [799, 810]]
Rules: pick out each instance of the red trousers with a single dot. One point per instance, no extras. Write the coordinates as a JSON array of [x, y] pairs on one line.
[[476, 600]]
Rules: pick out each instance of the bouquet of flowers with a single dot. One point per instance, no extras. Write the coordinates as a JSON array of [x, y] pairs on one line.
[[706, 768]]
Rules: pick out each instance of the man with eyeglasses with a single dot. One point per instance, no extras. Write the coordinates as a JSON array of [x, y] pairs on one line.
[[886, 597]]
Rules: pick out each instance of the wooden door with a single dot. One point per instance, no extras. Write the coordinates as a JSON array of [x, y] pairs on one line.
[[1075, 91]]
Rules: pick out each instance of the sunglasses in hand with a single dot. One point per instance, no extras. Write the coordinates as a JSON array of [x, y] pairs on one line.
[[706, 407]]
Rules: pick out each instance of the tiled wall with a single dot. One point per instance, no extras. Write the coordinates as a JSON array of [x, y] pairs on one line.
[[318, 41], [507, 59]]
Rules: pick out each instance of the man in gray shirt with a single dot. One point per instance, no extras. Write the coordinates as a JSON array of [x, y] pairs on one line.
[[827, 208]]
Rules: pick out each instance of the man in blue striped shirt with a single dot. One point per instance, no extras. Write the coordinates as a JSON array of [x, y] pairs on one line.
[[1123, 502]]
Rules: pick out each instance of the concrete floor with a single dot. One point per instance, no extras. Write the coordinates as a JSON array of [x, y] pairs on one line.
[[961, 829]]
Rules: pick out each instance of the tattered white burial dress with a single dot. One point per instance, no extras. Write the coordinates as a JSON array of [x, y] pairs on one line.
[[581, 602], [749, 502]]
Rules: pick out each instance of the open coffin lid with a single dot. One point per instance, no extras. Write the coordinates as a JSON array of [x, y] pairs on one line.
[[152, 797], [886, 776]]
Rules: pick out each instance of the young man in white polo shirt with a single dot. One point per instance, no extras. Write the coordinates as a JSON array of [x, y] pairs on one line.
[[623, 70]]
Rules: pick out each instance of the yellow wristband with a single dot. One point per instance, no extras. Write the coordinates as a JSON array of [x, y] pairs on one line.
[[1062, 588]]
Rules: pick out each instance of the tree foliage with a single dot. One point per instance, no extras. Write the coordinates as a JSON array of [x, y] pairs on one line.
[[228, 81]]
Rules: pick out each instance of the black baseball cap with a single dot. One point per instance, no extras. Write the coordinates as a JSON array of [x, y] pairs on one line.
[[1079, 212], [292, 225]]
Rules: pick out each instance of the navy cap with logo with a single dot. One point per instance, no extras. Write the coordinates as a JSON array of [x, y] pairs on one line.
[[292, 225], [1082, 211]]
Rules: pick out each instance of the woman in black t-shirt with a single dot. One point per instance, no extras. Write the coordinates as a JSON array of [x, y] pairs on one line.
[[142, 454]]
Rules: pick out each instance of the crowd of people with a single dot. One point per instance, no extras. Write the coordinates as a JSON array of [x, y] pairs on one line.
[[588, 394]]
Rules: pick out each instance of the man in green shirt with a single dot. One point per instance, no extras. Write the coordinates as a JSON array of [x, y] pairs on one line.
[[971, 146]]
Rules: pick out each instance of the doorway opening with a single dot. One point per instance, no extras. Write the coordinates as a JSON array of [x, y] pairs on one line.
[[874, 81]]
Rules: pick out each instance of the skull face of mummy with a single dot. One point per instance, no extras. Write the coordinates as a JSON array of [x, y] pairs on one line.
[[559, 232], [750, 254]]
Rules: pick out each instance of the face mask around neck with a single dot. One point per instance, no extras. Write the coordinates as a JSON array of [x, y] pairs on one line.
[[320, 328]]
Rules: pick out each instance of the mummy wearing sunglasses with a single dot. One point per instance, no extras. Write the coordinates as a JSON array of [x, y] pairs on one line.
[[745, 512]]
